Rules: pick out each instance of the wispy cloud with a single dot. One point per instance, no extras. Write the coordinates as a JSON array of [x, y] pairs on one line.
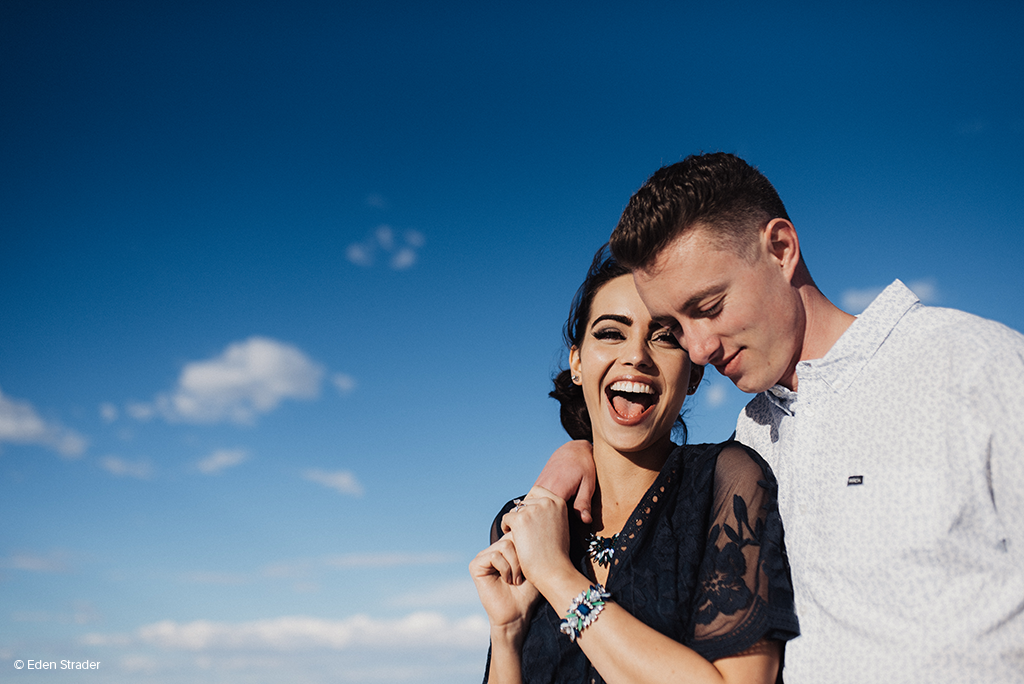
[[345, 383], [78, 613], [108, 412], [399, 253], [456, 593], [715, 395], [221, 578], [140, 470], [377, 201], [856, 300], [342, 481], [140, 410], [305, 567], [19, 423], [249, 378], [302, 633], [52, 562], [221, 459]]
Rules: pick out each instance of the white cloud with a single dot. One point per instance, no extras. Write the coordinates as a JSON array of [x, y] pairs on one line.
[[457, 593], [303, 568], [249, 378], [302, 633], [399, 256], [108, 412], [387, 560], [140, 470], [138, 664], [140, 410], [54, 561], [341, 480], [414, 238], [715, 395], [403, 259], [221, 459], [78, 613], [385, 238], [346, 384], [856, 300], [926, 290], [19, 423], [222, 578], [360, 254]]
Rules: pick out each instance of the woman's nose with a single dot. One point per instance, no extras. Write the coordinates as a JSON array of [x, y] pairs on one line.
[[637, 353]]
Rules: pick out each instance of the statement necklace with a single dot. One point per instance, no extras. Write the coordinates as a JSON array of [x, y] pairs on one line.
[[601, 549]]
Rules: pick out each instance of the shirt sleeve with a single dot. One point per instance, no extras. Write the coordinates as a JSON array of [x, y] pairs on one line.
[[992, 401], [744, 590]]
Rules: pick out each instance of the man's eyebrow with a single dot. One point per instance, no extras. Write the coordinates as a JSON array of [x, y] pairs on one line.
[[618, 318]]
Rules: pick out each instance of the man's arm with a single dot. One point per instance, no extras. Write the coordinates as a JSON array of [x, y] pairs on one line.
[[569, 472]]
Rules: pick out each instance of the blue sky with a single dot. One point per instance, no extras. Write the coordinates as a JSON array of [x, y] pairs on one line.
[[282, 285]]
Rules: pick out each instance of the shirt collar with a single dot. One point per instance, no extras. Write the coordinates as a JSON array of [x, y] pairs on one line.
[[848, 356]]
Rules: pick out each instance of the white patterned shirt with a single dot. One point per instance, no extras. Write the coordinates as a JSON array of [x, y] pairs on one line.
[[900, 462]]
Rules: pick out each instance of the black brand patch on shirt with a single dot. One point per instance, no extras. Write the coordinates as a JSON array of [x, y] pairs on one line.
[[854, 480]]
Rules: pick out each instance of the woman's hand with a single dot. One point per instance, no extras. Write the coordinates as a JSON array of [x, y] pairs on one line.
[[506, 595], [540, 527]]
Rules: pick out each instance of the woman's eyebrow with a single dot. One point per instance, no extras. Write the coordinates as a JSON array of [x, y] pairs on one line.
[[618, 318]]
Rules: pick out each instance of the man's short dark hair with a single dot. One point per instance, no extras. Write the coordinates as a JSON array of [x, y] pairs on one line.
[[720, 192]]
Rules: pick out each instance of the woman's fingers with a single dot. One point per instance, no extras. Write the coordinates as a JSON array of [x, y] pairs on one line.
[[499, 558]]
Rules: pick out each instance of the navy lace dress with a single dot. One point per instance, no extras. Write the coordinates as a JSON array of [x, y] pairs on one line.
[[701, 560]]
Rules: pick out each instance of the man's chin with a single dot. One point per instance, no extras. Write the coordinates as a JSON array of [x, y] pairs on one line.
[[750, 385]]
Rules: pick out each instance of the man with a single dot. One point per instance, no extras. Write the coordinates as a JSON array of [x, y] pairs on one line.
[[897, 437]]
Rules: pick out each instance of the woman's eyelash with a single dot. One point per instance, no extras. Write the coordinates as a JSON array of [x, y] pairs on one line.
[[607, 333], [666, 336]]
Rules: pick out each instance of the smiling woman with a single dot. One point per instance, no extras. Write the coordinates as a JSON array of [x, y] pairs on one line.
[[681, 575]]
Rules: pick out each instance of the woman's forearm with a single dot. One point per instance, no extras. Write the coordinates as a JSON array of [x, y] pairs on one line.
[[627, 651], [506, 655]]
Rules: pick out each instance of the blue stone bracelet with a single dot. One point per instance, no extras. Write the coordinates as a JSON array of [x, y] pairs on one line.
[[584, 610]]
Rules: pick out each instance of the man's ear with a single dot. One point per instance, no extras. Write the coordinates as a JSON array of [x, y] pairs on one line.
[[575, 368], [782, 244], [696, 375]]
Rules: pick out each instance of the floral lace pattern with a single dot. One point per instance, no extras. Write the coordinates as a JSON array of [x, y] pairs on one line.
[[725, 589], [701, 560]]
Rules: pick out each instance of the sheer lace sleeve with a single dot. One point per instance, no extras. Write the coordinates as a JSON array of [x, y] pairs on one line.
[[744, 592]]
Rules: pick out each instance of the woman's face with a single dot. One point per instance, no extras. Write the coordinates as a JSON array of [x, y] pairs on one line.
[[633, 372]]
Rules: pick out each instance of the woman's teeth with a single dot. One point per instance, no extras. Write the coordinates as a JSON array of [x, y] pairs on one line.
[[631, 387]]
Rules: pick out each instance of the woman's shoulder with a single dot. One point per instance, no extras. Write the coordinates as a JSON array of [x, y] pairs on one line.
[[730, 460]]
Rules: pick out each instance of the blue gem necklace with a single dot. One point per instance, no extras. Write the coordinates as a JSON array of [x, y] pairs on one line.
[[601, 549]]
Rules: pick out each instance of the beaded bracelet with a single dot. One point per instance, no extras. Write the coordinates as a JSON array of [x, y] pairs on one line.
[[584, 610]]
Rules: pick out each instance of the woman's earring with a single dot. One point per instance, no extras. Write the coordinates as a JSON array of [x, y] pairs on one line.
[[575, 378]]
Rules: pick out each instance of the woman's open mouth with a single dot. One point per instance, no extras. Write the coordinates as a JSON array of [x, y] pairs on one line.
[[629, 402]]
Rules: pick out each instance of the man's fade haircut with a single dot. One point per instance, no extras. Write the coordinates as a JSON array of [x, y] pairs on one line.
[[723, 194]]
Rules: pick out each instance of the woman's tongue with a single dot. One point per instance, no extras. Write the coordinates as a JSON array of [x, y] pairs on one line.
[[630, 406]]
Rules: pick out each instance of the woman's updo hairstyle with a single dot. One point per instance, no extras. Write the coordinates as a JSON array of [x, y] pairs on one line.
[[574, 415]]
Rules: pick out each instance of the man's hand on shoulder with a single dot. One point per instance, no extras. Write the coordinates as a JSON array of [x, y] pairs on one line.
[[570, 472]]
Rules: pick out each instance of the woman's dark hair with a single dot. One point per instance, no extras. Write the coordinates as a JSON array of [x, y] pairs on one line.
[[573, 412]]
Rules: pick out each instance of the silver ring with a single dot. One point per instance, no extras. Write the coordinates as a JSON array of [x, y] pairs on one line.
[[518, 503]]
